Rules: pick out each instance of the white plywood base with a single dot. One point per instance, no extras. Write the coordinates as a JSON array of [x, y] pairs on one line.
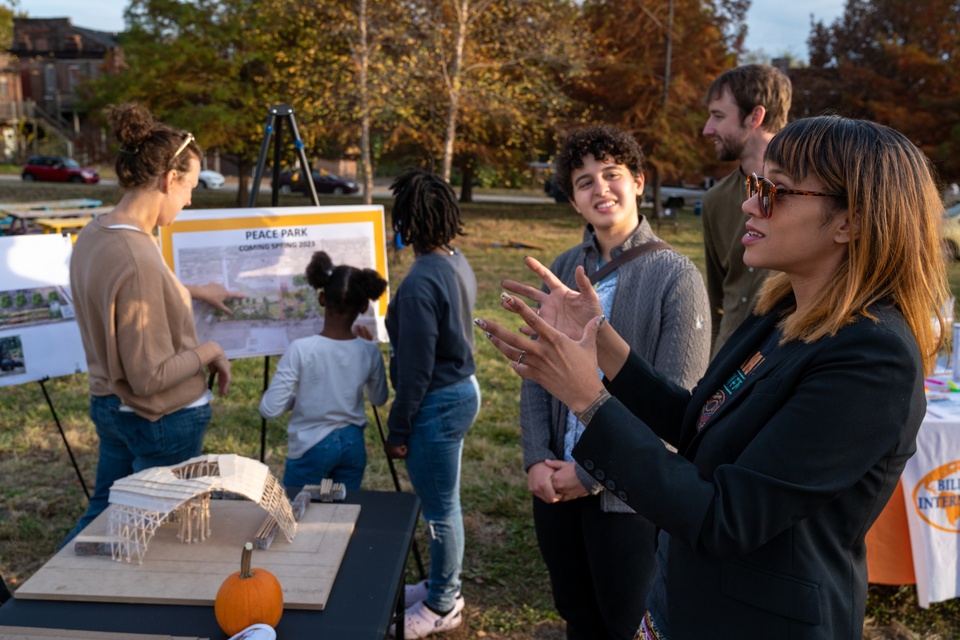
[[176, 573]]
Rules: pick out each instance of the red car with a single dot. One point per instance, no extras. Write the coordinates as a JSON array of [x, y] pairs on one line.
[[58, 169]]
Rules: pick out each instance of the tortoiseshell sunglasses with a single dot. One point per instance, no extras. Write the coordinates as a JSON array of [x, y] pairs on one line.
[[768, 193]]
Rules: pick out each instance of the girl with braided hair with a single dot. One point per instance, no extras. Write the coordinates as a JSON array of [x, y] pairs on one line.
[[321, 379], [437, 395]]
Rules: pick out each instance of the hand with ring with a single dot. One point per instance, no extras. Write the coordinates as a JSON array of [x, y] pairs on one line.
[[566, 368], [559, 306]]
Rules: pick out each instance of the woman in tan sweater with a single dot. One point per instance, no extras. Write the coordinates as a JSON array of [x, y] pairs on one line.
[[146, 367]]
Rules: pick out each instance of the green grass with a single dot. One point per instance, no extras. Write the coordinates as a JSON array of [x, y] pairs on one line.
[[505, 582]]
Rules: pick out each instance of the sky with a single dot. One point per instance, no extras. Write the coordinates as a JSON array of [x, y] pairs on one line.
[[775, 27]]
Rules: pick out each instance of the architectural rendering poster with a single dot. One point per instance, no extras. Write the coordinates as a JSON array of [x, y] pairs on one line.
[[262, 253], [39, 337]]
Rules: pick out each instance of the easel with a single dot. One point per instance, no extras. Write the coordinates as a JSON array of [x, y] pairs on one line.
[[63, 435], [275, 118]]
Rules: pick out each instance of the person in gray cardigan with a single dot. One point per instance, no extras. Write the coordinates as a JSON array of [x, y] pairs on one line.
[[599, 553]]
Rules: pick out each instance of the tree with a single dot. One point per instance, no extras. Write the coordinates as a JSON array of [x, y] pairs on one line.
[[895, 62], [215, 67], [365, 29], [487, 76], [635, 88]]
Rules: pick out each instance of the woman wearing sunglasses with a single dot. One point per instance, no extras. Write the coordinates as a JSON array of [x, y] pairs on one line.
[[146, 368], [795, 438]]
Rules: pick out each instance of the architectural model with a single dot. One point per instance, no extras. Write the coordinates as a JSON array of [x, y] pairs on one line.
[[141, 502]]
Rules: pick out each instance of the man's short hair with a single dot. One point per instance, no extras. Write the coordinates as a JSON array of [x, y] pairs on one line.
[[600, 141], [753, 85]]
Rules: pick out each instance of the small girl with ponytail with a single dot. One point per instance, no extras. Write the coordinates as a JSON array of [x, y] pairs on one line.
[[322, 379]]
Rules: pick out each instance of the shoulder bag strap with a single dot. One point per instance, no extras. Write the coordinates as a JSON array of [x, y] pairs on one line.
[[626, 256]]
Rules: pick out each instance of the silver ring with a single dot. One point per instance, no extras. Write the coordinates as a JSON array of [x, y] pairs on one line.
[[520, 357]]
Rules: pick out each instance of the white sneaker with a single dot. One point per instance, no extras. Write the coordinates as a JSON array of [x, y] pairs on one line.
[[414, 593], [419, 621]]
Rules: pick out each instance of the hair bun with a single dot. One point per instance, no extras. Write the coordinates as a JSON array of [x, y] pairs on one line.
[[132, 124]]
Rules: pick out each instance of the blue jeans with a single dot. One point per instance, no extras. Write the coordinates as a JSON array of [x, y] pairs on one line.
[[433, 462], [129, 443], [341, 456]]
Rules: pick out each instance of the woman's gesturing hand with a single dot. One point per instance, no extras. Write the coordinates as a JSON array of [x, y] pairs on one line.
[[566, 368], [561, 307]]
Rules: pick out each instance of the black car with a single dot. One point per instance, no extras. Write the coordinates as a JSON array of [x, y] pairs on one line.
[[292, 181], [552, 188]]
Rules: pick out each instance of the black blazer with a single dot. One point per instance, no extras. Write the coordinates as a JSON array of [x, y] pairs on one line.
[[767, 507]]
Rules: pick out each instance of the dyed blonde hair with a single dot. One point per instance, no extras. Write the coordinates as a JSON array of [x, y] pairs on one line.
[[894, 256]]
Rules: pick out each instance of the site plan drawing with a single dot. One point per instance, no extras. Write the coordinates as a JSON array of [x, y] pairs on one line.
[[262, 253]]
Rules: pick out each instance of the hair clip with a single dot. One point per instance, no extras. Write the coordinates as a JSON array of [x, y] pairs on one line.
[[127, 150]]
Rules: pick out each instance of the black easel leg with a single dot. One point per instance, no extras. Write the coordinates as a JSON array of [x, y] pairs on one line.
[[64, 436], [396, 484], [263, 421]]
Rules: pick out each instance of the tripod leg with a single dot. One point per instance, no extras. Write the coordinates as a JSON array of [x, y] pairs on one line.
[[64, 436], [396, 483], [262, 157], [304, 161], [263, 421]]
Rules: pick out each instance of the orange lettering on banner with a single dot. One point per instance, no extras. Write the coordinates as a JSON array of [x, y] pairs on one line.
[[937, 497]]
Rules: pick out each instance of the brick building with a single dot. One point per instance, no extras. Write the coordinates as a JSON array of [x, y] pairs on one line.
[[40, 88]]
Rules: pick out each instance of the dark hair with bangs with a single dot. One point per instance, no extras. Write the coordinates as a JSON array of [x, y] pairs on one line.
[[602, 142], [894, 253]]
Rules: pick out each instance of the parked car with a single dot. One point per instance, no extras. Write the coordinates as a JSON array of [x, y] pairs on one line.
[[58, 169], [951, 232], [675, 197], [292, 181], [210, 179], [552, 188]]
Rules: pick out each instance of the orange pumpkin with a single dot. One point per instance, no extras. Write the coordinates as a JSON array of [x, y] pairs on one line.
[[249, 596]]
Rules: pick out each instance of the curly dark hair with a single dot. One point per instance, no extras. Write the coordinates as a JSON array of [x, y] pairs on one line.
[[347, 289], [602, 142], [148, 148], [425, 212]]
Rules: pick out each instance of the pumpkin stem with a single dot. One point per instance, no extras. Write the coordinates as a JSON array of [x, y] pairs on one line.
[[245, 558]]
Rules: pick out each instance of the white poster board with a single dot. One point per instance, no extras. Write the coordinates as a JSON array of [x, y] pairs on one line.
[[262, 253], [39, 337]]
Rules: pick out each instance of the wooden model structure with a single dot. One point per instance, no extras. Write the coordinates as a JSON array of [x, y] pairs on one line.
[[141, 502]]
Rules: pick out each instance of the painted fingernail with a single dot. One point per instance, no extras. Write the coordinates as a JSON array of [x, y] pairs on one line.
[[506, 297], [480, 323], [601, 321]]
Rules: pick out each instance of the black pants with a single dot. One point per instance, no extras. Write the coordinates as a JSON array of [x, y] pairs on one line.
[[601, 566]]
